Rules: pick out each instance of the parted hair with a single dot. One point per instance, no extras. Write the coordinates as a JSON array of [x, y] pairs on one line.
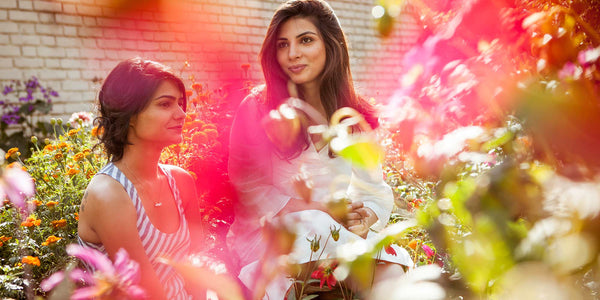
[[126, 91], [337, 88]]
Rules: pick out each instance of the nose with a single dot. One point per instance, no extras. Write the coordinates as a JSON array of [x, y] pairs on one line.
[[180, 113], [294, 51]]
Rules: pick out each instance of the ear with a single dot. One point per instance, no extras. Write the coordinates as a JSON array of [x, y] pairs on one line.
[[132, 121]]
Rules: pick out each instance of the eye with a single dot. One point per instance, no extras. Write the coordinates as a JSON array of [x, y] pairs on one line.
[[164, 104], [306, 40], [281, 45]]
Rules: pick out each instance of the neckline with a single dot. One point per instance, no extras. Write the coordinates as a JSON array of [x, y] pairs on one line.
[[143, 208]]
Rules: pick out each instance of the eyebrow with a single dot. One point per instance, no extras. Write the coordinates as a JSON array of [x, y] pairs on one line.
[[167, 96], [300, 35]]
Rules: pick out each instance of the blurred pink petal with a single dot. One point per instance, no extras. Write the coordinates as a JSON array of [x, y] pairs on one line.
[[51, 282], [128, 270], [93, 258], [85, 293], [17, 185]]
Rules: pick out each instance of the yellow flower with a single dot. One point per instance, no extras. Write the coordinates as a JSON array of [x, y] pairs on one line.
[[413, 244], [11, 151], [51, 240], [51, 204], [60, 223], [31, 260]]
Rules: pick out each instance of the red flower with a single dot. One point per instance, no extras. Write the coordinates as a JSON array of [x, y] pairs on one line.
[[389, 250], [325, 274]]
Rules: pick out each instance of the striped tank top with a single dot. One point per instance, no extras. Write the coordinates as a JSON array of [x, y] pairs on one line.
[[157, 244]]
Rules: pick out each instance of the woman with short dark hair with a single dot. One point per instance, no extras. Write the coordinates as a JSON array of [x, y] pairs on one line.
[[134, 202]]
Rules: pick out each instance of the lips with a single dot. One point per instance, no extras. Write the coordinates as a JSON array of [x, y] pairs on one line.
[[296, 68], [178, 127]]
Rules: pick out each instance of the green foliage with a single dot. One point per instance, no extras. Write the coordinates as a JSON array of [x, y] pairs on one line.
[[61, 170]]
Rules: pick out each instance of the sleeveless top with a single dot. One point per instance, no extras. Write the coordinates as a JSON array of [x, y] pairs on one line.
[[157, 244]]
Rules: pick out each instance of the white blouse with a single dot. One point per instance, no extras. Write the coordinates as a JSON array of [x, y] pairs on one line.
[[264, 183]]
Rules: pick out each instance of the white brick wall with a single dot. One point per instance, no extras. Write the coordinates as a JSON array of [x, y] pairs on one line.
[[69, 43]]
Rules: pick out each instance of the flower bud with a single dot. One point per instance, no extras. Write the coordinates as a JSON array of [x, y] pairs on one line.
[[315, 244], [335, 233], [59, 121], [46, 141], [52, 121], [34, 139]]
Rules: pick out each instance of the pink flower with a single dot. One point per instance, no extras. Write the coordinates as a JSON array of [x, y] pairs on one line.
[[85, 117], [428, 250], [16, 185], [108, 279]]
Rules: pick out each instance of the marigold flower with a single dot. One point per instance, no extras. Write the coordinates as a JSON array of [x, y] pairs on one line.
[[49, 148], [31, 260], [86, 151], [60, 223], [211, 133], [197, 87], [3, 239], [199, 138], [73, 132], [51, 240], [63, 145], [58, 156], [10, 152], [72, 171], [76, 216], [325, 274], [35, 202], [31, 221], [51, 204], [79, 156], [189, 93], [413, 244], [245, 67]]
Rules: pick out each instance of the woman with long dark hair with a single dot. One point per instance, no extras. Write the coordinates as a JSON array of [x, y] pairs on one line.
[[304, 55]]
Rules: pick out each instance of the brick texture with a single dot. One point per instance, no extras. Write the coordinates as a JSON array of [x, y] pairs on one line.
[[69, 44]]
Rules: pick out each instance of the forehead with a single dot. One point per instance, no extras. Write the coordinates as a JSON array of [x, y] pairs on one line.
[[167, 87], [295, 26]]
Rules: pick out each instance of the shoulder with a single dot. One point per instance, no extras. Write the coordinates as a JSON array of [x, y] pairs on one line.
[[180, 175], [105, 196], [255, 101]]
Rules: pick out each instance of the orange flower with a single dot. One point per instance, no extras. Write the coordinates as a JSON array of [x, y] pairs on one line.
[[58, 156], [76, 216], [72, 171], [63, 145], [73, 132], [4, 239], [31, 260], [10, 152], [35, 202], [60, 223], [197, 87], [211, 133], [189, 93], [79, 156], [245, 67], [413, 244], [199, 138], [51, 204], [49, 148], [31, 221], [51, 240], [86, 151], [95, 131]]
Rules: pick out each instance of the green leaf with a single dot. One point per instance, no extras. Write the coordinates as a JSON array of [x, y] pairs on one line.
[[361, 152]]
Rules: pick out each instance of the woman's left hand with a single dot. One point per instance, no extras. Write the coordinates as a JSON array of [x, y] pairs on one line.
[[360, 219]]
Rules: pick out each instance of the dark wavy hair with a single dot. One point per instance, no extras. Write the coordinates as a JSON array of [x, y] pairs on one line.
[[337, 88], [125, 92]]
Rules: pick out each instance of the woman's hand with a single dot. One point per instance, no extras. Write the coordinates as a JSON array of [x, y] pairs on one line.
[[360, 219]]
